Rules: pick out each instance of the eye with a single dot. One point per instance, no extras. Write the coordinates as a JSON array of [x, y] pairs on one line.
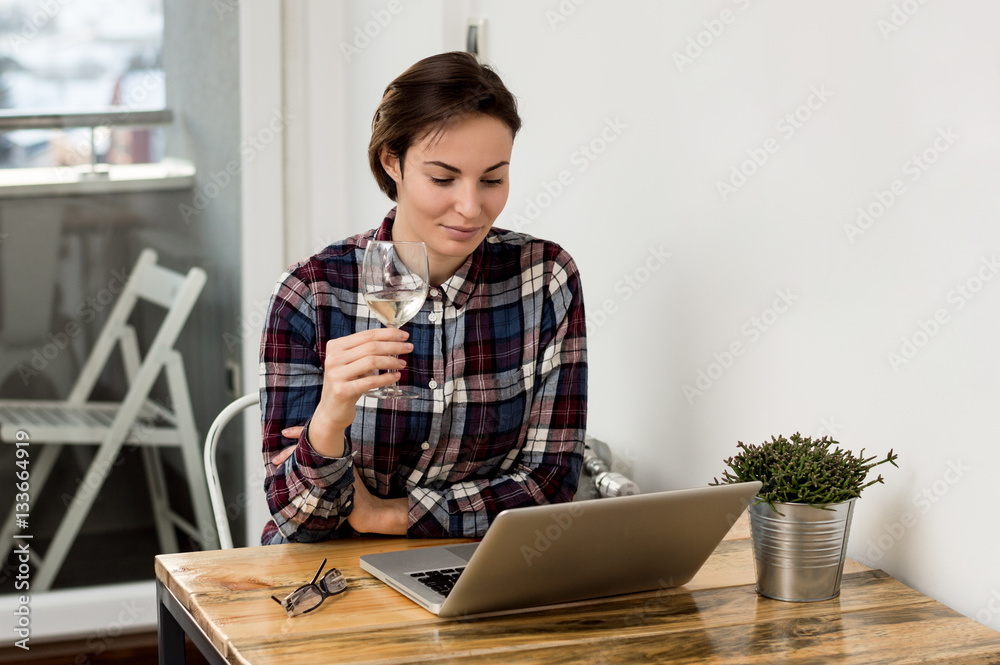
[[493, 183], [441, 182]]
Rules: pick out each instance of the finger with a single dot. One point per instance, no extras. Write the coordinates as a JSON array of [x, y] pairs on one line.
[[336, 356], [354, 388], [280, 458], [343, 386], [363, 367], [349, 381], [367, 336], [292, 432]]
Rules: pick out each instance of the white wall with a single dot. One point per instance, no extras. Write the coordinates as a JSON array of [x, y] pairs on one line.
[[676, 271], [262, 204]]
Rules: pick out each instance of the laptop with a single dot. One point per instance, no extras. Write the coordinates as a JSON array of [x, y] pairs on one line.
[[559, 553]]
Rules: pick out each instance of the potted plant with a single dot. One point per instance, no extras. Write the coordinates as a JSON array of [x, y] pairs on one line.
[[801, 519]]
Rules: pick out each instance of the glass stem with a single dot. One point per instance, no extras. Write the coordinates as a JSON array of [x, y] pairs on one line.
[[394, 386]]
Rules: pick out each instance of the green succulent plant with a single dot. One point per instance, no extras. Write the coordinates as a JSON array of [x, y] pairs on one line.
[[802, 470]]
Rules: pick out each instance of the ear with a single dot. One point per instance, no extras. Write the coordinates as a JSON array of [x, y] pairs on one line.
[[390, 163]]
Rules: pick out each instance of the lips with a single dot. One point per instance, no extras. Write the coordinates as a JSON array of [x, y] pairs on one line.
[[461, 233]]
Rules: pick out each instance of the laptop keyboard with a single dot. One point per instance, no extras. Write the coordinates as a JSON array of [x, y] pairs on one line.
[[441, 581]]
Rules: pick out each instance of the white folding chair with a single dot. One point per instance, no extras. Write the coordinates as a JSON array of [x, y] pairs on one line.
[[219, 508], [136, 420]]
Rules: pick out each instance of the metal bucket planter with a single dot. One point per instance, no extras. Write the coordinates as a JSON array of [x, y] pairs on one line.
[[799, 555]]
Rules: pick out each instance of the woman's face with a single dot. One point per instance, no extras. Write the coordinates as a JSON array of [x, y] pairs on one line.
[[451, 189]]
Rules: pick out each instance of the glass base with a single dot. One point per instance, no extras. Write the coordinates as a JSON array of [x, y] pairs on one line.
[[391, 392]]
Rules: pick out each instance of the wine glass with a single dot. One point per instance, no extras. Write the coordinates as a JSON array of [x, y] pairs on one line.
[[394, 283]]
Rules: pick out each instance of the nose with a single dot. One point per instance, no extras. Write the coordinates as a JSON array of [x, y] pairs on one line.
[[467, 201]]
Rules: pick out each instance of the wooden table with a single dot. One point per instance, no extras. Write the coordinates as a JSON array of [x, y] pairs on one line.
[[221, 599]]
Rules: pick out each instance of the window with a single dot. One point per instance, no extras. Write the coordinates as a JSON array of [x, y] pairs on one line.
[[72, 56]]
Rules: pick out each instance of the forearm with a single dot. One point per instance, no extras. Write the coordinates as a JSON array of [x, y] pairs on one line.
[[309, 495], [326, 437], [394, 517], [385, 516]]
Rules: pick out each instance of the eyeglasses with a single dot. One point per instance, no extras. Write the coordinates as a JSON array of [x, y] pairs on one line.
[[310, 596]]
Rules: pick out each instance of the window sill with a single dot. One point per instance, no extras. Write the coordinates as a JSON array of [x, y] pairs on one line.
[[91, 611], [170, 174]]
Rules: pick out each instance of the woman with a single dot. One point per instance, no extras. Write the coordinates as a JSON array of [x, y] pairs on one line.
[[497, 352]]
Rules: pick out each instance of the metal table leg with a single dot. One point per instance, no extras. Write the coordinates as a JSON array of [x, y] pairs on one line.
[[174, 623]]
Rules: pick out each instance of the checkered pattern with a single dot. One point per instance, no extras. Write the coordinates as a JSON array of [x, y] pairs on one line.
[[499, 363]]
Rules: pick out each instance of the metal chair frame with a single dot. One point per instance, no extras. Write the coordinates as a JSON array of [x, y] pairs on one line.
[[219, 509]]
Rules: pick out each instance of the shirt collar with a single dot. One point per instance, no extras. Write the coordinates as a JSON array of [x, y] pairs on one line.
[[384, 232], [459, 287]]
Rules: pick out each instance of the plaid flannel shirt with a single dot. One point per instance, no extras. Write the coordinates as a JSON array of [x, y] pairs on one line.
[[499, 362]]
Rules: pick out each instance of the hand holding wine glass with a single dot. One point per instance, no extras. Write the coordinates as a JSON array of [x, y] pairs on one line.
[[394, 283]]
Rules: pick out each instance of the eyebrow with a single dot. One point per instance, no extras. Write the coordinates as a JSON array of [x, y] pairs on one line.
[[455, 169]]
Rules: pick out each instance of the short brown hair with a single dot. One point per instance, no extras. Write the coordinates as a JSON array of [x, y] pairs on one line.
[[428, 96]]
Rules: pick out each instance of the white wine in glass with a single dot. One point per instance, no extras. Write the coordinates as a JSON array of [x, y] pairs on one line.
[[394, 282]]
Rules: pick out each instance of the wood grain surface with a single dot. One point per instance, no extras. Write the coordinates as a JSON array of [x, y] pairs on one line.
[[716, 618]]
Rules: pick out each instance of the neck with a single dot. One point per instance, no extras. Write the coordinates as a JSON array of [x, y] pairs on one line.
[[442, 269]]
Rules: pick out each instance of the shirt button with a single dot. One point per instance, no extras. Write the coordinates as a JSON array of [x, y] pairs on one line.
[[432, 317], [434, 293], [432, 384], [425, 445]]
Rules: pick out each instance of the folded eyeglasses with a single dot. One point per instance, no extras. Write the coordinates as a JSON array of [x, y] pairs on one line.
[[310, 596]]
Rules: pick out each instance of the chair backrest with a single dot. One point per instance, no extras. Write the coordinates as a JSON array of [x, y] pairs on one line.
[[219, 508], [174, 291]]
